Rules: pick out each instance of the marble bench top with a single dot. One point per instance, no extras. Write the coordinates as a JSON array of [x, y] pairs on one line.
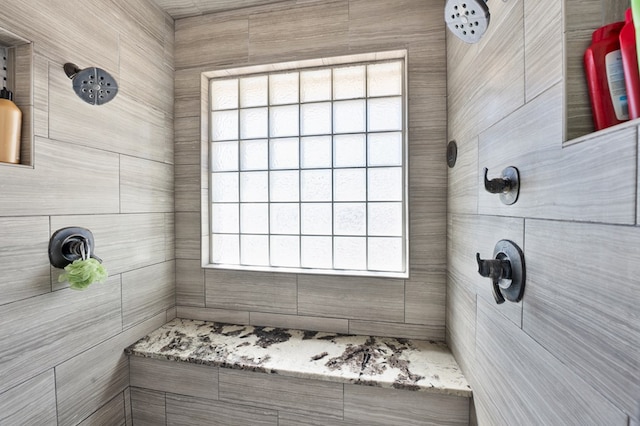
[[374, 361]]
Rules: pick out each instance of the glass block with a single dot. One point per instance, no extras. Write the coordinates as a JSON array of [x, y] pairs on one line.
[[350, 253], [317, 218], [385, 79], [385, 149], [284, 121], [385, 254], [225, 218], [349, 116], [317, 252], [283, 88], [384, 114], [224, 156], [284, 186], [254, 187], [224, 125], [315, 119], [315, 85], [316, 185], [224, 187], [225, 249], [253, 91], [254, 218], [254, 155], [349, 150], [285, 218], [254, 250], [315, 152], [285, 251], [349, 82], [349, 185], [224, 94], [385, 219], [385, 184], [284, 153], [350, 219], [254, 123]]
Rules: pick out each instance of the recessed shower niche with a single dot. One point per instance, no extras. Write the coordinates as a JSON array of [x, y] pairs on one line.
[[16, 56]]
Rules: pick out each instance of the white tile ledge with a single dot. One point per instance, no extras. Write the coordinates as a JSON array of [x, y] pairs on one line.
[[385, 362]]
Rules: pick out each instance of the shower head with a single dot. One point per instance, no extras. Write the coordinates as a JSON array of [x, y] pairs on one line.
[[94, 85], [467, 19]]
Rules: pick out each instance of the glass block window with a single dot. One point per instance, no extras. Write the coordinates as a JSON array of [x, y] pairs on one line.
[[308, 169]]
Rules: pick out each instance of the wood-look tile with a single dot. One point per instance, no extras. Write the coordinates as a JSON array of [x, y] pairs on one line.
[[176, 377], [427, 67], [486, 81], [578, 115], [25, 264], [582, 302], [187, 139], [427, 233], [112, 413], [188, 235], [462, 183], [140, 17], [171, 313], [461, 324], [84, 382], [211, 41], [397, 330], [514, 371], [189, 283], [123, 125], [28, 192], [307, 30], [469, 235], [127, 407], [187, 188], [30, 403], [554, 182], [145, 186], [375, 406], [68, 330], [170, 236], [363, 298], [124, 242], [148, 407], [425, 301], [250, 291], [583, 14], [216, 315], [282, 393], [543, 44], [147, 291], [190, 411], [40, 96], [329, 325]]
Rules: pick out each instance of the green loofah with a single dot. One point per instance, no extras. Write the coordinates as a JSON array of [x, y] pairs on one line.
[[82, 273]]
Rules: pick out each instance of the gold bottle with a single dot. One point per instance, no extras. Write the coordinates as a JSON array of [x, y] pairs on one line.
[[10, 125]]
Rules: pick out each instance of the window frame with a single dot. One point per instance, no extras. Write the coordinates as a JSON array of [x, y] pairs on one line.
[[206, 166]]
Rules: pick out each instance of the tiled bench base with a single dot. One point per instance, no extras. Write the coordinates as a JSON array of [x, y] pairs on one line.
[[246, 375]]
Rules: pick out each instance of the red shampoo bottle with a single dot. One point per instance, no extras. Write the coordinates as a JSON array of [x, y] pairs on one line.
[[630, 64], [605, 77]]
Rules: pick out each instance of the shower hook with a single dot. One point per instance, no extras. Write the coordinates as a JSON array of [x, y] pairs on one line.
[[70, 244]]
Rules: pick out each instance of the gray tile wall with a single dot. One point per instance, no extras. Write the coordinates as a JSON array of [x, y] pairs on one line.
[[107, 168], [567, 353], [298, 30]]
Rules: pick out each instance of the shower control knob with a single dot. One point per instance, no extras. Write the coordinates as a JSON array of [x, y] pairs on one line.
[[506, 271], [508, 186]]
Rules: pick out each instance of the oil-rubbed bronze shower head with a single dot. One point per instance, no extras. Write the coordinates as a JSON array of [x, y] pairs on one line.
[[94, 85]]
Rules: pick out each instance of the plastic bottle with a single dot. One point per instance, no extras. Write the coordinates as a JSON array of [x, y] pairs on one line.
[[630, 64], [10, 126], [605, 77]]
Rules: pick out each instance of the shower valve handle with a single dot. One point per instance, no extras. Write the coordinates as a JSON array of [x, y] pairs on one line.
[[508, 186], [496, 269], [497, 185]]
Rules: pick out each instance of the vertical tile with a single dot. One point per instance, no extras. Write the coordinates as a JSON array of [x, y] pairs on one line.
[[127, 407], [170, 236], [148, 407], [32, 402], [187, 235], [68, 330], [251, 291], [187, 186], [84, 382], [40, 96], [425, 300], [189, 283], [377, 299], [375, 406], [190, 411], [147, 291], [25, 265], [175, 377], [145, 186]]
